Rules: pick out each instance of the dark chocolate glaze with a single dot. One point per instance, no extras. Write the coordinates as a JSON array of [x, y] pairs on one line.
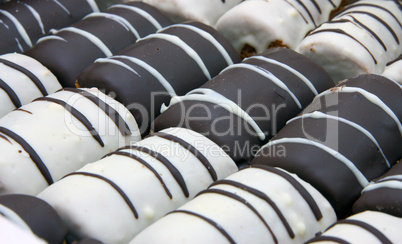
[[78, 52], [147, 165], [31, 152], [172, 169], [11, 94], [209, 221], [77, 114], [383, 199], [142, 93], [243, 201], [110, 111], [191, 149], [260, 195], [377, 233], [327, 238], [112, 184], [53, 16], [41, 218], [28, 73], [268, 104], [325, 172]]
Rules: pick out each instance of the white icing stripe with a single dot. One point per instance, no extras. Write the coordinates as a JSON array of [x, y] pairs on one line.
[[266, 74], [21, 30], [359, 176], [92, 38], [117, 62], [51, 37], [186, 48], [122, 21], [14, 217], [369, 96], [93, 5], [62, 6], [210, 38], [321, 115], [152, 71], [211, 96], [37, 17], [4, 24], [19, 44], [141, 12], [386, 184], [290, 69], [392, 177]]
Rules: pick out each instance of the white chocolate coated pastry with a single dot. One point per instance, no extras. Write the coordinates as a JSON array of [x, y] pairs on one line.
[[361, 39], [393, 70], [255, 205], [365, 227], [116, 197], [58, 134], [13, 233], [262, 24], [23, 79], [205, 11]]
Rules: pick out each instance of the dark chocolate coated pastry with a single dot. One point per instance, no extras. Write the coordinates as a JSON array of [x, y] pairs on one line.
[[171, 62], [38, 215], [23, 22], [244, 106], [384, 194], [70, 50], [348, 136]]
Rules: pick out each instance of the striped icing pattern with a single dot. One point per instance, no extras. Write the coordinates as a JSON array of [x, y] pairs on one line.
[[141, 12], [208, 95]]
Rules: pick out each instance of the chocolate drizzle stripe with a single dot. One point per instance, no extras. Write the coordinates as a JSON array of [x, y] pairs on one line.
[[316, 6], [77, 114], [260, 195], [243, 201], [148, 166], [377, 233], [112, 184], [379, 20], [11, 94], [28, 73], [5, 138], [328, 238], [172, 169], [307, 10], [342, 32], [358, 23], [209, 221], [31, 152], [395, 60], [299, 187], [305, 20], [332, 3], [347, 8], [110, 111], [193, 150]]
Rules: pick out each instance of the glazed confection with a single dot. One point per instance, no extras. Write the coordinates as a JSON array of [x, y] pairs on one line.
[[23, 22], [116, 197], [12, 233], [393, 69], [254, 26], [171, 62], [33, 215], [246, 104], [23, 79], [361, 39], [345, 138], [206, 11], [70, 50], [366, 227], [383, 194], [254, 205], [58, 134]]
